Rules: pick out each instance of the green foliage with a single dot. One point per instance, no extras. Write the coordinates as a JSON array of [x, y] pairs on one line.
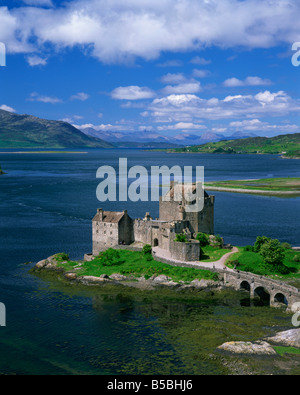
[[147, 249], [263, 145], [181, 238], [110, 257], [287, 246], [272, 252], [296, 258], [62, 257], [219, 241], [138, 264], [203, 238], [249, 248], [260, 241]]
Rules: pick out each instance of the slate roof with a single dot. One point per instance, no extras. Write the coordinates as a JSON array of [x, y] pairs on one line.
[[110, 216]]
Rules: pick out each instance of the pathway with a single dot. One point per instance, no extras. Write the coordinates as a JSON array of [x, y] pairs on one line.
[[220, 264]]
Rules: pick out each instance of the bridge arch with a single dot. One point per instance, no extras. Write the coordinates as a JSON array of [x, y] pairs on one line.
[[245, 286], [281, 298], [263, 295]]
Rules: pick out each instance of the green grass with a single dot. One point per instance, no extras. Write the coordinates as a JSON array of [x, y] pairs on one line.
[[286, 350], [136, 264], [252, 262], [268, 184], [287, 145], [211, 254]]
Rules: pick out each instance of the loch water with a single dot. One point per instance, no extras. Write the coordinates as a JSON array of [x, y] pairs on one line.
[[47, 202]]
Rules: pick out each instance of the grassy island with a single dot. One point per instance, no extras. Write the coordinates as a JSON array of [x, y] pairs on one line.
[[131, 263], [286, 145], [267, 186]]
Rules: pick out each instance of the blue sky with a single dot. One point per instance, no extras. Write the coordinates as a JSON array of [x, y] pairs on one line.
[[167, 66]]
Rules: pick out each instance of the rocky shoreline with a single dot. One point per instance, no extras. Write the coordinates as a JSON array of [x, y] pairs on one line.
[[290, 338], [50, 264]]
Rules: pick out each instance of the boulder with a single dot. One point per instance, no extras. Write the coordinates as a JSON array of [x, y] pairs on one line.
[[289, 338], [248, 348], [118, 277], [41, 264], [160, 279], [71, 276]]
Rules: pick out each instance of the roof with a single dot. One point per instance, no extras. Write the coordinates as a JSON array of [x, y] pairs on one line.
[[178, 191], [109, 216]]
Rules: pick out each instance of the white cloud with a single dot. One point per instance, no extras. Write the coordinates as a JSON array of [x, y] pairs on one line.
[[7, 108], [186, 87], [132, 93], [182, 125], [255, 125], [249, 81], [120, 30], [173, 78], [200, 61], [105, 127], [80, 96], [43, 99], [187, 108], [35, 60], [201, 73]]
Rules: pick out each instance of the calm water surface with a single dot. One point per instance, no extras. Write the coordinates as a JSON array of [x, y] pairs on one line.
[[46, 206]]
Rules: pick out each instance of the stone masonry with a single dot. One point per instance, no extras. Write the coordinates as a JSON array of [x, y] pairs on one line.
[[112, 229]]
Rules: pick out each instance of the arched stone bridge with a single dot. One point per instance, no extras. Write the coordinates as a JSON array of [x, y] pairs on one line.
[[260, 286]]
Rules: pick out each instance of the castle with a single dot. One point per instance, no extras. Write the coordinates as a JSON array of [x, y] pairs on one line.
[[111, 229]]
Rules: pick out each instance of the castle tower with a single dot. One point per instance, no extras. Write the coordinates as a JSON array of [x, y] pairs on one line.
[[174, 208]]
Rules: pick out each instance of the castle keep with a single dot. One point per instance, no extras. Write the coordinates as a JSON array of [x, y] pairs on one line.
[[111, 229]]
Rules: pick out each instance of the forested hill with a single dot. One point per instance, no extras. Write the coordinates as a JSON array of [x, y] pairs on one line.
[[26, 131], [288, 145]]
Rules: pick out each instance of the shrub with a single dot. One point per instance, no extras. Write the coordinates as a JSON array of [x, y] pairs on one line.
[[272, 252], [260, 241], [203, 238], [147, 249], [181, 238], [249, 248], [110, 257], [286, 246], [235, 263], [296, 258]]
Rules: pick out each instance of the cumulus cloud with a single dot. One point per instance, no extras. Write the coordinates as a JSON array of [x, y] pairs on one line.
[[255, 125], [44, 99], [80, 96], [120, 30], [35, 60], [132, 93], [249, 81], [187, 107], [7, 108]]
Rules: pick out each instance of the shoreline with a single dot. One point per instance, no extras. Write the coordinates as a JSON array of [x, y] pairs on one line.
[[252, 191]]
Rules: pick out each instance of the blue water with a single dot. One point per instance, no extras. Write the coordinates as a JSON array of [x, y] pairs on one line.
[[46, 206]]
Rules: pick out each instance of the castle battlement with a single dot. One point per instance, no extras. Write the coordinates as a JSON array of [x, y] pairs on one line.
[[118, 228]]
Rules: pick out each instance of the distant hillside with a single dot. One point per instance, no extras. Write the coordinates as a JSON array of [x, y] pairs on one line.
[[145, 136], [288, 145], [149, 145], [26, 131]]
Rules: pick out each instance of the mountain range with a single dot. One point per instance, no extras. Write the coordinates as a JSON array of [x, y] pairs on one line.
[[27, 131], [146, 136]]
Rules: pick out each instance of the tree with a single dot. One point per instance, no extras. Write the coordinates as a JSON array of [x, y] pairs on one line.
[[147, 249], [260, 241], [110, 257], [203, 239], [272, 252]]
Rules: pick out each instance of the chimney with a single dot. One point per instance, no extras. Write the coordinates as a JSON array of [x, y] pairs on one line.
[[100, 212]]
